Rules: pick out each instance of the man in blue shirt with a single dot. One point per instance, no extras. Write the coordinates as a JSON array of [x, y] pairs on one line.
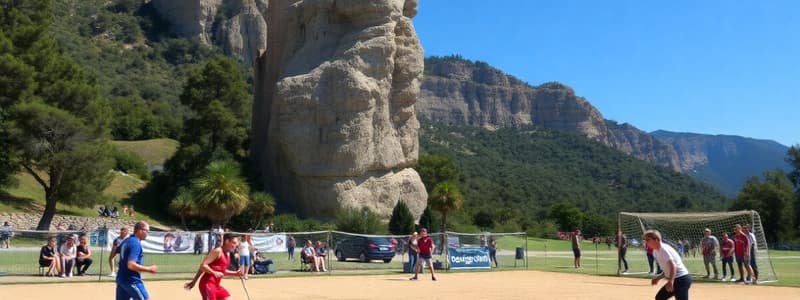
[[129, 280]]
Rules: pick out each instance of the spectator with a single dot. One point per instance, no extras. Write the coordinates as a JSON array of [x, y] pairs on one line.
[[726, 251], [5, 236], [320, 251], [60, 226], [261, 264], [493, 251], [742, 246], [48, 258], [575, 238], [106, 212], [131, 212], [290, 244], [84, 259], [622, 244], [68, 253], [115, 247], [245, 249], [753, 247], [114, 213], [198, 244], [710, 245], [125, 210], [307, 255], [413, 250]]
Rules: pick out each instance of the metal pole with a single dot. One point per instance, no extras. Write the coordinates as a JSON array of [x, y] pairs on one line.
[[596, 266], [526, 251], [102, 250]]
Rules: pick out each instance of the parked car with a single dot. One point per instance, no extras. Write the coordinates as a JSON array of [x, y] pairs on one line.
[[365, 249]]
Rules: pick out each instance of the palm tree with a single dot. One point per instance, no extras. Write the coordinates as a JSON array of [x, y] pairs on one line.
[[221, 192], [183, 205], [261, 204], [445, 198]]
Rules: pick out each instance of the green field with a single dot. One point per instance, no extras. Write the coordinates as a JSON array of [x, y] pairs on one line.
[[557, 258]]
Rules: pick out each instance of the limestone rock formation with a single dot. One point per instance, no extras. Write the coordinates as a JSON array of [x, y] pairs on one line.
[[460, 92], [239, 27], [334, 123]]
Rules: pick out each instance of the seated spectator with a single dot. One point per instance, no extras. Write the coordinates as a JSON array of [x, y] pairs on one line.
[[114, 213], [261, 264], [48, 258], [320, 251], [106, 212], [100, 211], [84, 259], [68, 253], [308, 255], [124, 209]]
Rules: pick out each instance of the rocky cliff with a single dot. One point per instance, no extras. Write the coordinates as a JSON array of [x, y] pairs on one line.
[[460, 92], [725, 161], [239, 27], [334, 123]]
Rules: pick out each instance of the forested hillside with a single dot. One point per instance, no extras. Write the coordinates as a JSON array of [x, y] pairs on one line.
[[520, 173]]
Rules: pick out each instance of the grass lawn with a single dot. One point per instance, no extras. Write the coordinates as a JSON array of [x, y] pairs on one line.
[[153, 152]]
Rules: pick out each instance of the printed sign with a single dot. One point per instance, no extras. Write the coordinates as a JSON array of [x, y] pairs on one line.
[[469, 258]]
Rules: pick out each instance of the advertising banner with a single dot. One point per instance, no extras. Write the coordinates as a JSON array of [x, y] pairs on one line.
[[469, 258], [165, 241]]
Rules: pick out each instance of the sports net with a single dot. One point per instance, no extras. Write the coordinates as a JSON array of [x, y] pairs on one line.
[[684, 232]]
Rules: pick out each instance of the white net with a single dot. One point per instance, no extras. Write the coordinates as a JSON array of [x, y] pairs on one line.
[[684, 232]]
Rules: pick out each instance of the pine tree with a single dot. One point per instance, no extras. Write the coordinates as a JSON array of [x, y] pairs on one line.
[[401, 221]]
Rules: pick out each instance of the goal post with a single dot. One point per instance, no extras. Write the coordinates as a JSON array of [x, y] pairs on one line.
[[684, 232]]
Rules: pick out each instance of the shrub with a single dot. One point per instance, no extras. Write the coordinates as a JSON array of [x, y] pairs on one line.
[[358, 221], [402, 221]]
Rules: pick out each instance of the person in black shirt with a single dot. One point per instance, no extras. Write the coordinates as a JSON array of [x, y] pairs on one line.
[[49, 258], [84, 259]]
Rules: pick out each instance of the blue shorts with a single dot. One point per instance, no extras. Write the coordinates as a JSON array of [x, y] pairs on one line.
[[425, 257], [135, 291], [244, 261]]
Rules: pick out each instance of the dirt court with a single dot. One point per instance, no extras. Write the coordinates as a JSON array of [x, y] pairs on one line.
[[478, 285]]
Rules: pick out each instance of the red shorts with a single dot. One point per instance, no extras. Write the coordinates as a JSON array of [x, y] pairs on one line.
[[212, 292]]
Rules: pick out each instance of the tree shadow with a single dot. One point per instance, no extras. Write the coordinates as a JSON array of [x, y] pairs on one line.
[[27, 205]]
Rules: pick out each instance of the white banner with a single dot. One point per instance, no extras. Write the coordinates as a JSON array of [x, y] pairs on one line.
[[166, 242], [270, 243]]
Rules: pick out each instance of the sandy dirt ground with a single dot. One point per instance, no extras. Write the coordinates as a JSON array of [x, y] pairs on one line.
[[478, 285]]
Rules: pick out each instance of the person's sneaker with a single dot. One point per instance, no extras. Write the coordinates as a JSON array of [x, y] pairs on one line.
[[413, 278], [112, 274], [723, 278], [747, 282], [433, 278], [70, 275], [62, 275]]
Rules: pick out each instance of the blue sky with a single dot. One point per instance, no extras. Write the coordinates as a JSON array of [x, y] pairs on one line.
[[712, 67]]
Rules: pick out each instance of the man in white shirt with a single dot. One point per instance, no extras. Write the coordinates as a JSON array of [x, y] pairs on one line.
[[753, 247], [679, 279]]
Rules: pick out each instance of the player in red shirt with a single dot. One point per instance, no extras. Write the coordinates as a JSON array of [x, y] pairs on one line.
[[426, 246], [213, 268], [742, 243], [727, 249]]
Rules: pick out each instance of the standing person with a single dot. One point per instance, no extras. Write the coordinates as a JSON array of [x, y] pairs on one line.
[[493, 251], [213, 268], [290, 244], [413, 251], [710, 244], [726, 251], [576, 247], [622, 243], [5, 236], [68, 252], [84, 259], [678, 278], [131, 257], [742, 244], [198, 244], [245, 248], [753, 247], [123, 234], [426, 248]]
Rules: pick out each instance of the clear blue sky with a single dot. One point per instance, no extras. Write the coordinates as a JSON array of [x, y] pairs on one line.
[[712, 67]]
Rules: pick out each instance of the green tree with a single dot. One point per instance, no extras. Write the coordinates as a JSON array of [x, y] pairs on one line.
[[567, 216], [772, 199], [355, 220], [219, 126], [427, 220], [54, 124], [221, 192], [183, 206], [261, 205], [59, 151], [401, 221], [793, 158], [594, 224], [434, 169], [446, 198]]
